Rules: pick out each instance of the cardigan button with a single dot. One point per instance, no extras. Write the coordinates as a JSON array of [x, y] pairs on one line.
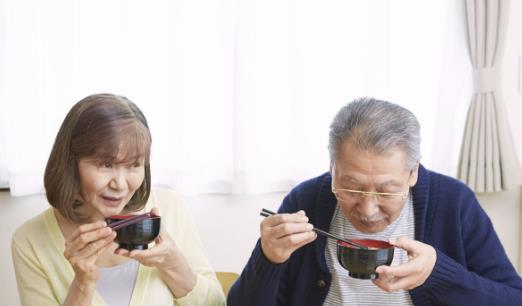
[[321, 283]]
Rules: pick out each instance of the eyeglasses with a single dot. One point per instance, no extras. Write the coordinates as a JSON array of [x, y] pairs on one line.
[[349, 195]]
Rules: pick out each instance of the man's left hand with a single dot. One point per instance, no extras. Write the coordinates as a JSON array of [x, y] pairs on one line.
[[411, 274]]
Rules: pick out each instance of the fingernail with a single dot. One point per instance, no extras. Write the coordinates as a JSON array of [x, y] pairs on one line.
[[309, 227], [301, 212], [392, 240]]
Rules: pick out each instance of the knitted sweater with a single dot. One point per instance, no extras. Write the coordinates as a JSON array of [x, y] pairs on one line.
[[44, 275], [471, 268]]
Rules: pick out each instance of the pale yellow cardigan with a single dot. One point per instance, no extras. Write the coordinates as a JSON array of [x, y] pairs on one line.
[[44, 275]]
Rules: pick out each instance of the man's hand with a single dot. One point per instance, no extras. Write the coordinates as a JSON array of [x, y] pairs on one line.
[[411, 274], [282, 234]]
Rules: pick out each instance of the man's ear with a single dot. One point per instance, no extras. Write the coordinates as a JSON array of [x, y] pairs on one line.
[[414, 175], [332, 164]]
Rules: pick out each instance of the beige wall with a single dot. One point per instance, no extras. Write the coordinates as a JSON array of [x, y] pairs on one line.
[[505, 207], [504, 210]]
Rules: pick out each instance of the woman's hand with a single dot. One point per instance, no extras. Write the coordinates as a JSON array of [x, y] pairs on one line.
[[411, 274], [282, 234], [83, 248], [168, 259]]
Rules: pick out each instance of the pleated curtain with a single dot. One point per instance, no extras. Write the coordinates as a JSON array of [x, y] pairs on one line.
[[488, 161]]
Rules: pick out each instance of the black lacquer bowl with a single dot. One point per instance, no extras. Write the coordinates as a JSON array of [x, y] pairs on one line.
[[136, 236], [361, 263]]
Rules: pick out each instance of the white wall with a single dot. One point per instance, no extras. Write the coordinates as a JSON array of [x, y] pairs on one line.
[[229, 225]]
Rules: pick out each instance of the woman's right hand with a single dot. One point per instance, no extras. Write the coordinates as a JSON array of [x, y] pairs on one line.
[[282, 234], [83, 248]]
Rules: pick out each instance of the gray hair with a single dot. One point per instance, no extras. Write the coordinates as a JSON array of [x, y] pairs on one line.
[[377, 126]]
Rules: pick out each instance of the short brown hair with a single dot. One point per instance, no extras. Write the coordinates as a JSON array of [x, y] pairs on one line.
[[98, 126]]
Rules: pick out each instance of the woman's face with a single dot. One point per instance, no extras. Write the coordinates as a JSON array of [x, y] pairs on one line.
[[107, 187]]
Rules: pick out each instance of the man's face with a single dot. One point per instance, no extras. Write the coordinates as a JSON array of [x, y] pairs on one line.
[[361, 170]]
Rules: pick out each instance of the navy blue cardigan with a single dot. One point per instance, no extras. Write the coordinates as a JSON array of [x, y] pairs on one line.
[[471, 268]]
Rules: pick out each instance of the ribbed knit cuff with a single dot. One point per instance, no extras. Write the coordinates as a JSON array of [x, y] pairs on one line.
[[265, 270], [444, 275], [206, 292]]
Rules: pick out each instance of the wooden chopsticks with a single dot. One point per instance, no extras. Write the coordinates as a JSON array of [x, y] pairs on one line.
[[128, 221]]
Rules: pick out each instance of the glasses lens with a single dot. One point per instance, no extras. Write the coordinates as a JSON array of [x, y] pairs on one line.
[[350, 196], [344, 195], [387, 198]]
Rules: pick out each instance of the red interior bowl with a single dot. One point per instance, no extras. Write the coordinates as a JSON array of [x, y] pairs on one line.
[[361, 263]]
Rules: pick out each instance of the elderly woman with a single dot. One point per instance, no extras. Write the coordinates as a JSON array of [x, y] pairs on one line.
[[99, 167]]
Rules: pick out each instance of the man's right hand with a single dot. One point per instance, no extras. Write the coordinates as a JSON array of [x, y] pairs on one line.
[[282, 234]]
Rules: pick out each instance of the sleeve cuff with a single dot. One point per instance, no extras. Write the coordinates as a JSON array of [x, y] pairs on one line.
[[264, 269], [203, 293], [444, 274]]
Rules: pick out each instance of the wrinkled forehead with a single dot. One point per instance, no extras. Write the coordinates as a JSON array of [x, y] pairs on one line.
[[363, 166]]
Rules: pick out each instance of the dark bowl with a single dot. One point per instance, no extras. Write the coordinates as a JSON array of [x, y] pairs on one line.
[[361, 263], [138, 235]]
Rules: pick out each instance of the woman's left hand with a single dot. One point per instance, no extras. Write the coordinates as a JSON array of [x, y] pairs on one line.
[[169, 260], [411, 274]]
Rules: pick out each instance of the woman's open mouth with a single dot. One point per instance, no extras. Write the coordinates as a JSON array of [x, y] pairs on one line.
[[112, 201]]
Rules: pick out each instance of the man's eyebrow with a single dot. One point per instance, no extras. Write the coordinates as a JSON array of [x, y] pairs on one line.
[[389, 183], [347, 178]]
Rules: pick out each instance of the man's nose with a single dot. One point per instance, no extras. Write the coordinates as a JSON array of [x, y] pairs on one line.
[[368, 206]]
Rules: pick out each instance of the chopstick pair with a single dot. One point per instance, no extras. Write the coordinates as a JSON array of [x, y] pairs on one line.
[[265, 213], [128, 221]]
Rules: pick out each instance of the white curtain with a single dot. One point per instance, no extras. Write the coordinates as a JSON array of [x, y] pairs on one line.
[[488, 161], [239, 94]]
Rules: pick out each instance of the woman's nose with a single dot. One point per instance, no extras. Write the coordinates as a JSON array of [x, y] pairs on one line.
[[118, 180]]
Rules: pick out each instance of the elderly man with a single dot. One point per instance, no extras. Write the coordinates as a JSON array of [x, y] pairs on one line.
[[447, 252]]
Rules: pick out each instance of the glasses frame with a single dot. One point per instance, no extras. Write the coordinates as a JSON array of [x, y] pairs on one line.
[[362, 194]]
